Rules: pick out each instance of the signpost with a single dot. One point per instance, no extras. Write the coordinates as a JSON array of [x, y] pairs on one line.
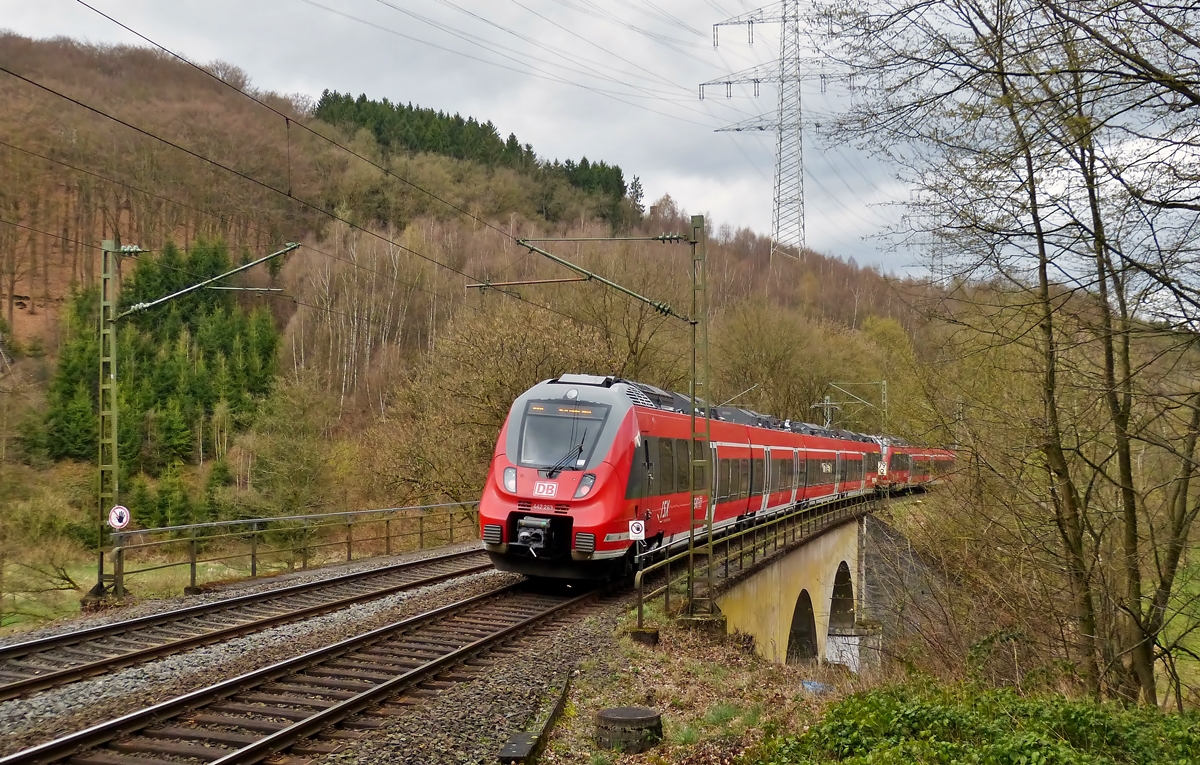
[[118, 517], [109, 462]]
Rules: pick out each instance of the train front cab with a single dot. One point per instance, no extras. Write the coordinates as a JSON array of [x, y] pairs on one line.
[[558, 473]]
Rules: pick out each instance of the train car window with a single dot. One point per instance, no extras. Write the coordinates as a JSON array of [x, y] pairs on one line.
[[757, 474], [683, 461], [636, 488], [743, 479], [895, 461], [730, 480], [654, 466], [666, 466], [821, 472], [554, 433], [722, 480], [701, 471], [801, 471]]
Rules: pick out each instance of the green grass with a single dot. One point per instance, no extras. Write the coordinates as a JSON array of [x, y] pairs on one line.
[[923, 724], [722, 714], [685, 736]]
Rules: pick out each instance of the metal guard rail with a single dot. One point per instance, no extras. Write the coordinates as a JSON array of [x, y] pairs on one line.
[[193, 536], [845, 508]]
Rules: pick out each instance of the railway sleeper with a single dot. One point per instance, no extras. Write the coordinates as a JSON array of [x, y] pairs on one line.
[[102, 757], [171, 748], [200, 734], [330, 682], [315, 690], [296, 701], [287, 713], [246, 723]]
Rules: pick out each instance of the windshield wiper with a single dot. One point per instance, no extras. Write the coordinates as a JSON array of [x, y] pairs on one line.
[[574, 452]]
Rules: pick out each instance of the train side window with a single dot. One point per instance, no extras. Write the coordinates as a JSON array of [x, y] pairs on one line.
[[683, 461], [666, 466], [651, 446], [823, 470], [701, 471], [757, 474], [636, 488], [743, 478]]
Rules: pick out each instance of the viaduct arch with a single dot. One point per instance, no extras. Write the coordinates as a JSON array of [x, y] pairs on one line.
[[802, 607]]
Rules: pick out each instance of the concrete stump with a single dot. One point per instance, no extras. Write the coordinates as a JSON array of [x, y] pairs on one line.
[[628, 729], [648, 636]]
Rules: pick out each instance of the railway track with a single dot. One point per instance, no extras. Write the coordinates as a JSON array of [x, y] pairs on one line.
[[39, 664], [337, 691]]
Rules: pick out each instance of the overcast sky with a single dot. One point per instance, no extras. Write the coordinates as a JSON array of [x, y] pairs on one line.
[[611, 79]]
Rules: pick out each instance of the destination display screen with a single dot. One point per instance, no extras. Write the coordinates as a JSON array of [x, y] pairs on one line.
[[588, 411]]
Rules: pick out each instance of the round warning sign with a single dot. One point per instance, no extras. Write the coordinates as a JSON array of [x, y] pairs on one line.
[[118, 517], [637, 530]]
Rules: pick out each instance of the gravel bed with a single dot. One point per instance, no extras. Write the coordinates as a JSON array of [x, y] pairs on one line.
[[28, 721], [471, 721], [134, 609]]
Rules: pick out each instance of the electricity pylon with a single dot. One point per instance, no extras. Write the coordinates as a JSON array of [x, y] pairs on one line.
[[787, 213]]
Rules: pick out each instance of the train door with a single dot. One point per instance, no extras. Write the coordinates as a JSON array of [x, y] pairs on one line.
[[731, 481], [797, 457], [760, 491]]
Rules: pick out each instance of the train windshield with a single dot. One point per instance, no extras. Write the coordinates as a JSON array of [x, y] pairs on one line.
[[560, 435]]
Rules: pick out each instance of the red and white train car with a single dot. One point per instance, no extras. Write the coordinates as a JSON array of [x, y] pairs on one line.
[[581, 456], [906, 466]]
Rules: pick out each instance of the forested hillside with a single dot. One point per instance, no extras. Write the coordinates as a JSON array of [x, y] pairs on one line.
[[229, 401], [1058, 352]]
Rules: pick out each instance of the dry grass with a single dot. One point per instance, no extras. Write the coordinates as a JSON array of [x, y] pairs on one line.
[[716, 696]]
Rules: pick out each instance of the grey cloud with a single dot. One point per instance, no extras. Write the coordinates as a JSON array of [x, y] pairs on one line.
[[293, 46]]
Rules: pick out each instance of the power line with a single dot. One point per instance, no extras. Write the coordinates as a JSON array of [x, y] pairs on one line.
[[272, 188], [288, 120], [210, 214], [268, 186], [232, 171], [541, 74]]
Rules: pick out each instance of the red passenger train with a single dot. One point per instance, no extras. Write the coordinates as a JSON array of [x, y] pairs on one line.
[[581, 456]]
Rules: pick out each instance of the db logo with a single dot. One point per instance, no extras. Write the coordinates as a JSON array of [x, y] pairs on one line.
[[637, 530], [545, 489]]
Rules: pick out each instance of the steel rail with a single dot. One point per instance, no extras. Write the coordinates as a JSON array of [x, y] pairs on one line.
[[69, 674], [127, 725]]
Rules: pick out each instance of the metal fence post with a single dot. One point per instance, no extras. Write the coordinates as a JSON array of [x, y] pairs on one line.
[[307, 537], [253, 550], [667, 589], [349, 542], [421, 530], [192, 562], [119, 569], [387, 536], [450, 515]]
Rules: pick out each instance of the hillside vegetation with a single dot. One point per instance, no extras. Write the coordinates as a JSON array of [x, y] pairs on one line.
[[229, 401], [1064, 548]]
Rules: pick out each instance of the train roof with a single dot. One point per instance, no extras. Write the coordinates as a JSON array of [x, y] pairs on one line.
[[644, 394]]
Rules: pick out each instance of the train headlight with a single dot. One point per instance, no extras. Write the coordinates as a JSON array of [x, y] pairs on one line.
[[510, 479], [585, 485]]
